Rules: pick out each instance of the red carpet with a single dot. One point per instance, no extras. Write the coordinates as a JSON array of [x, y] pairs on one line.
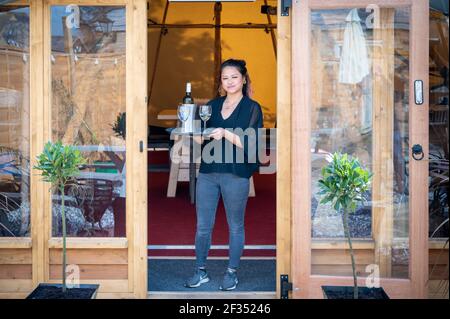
[[172, 220]]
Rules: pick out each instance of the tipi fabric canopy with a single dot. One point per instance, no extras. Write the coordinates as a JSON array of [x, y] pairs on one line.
[[190, 47]]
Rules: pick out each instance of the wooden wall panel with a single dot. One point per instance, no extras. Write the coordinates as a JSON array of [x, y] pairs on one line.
[[15, 256], [342, 257], [106, 272], [11, 286], [106, 286], [90, 256], [15, 271]]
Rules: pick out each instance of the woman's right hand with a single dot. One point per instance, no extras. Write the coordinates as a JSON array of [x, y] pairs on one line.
[[217, 133]]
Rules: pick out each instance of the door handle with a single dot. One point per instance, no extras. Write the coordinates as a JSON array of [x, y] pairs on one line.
[[141, 146], [418, 92], [417, 152]]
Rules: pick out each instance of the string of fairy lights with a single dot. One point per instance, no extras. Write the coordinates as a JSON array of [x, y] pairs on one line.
[[76, 57], [96, 60]]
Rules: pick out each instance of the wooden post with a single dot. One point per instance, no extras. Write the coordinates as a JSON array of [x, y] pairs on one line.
[[158, 47], [272, 33], [136, 92], [217, 47], [38, 193], [418, 134], [301, 155], [383, 138], [283, 155]]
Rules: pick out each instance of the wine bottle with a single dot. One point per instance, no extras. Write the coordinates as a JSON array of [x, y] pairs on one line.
[[188, 99]]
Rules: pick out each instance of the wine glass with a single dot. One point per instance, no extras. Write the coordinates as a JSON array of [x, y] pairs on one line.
[[205, 114], [183, 114]]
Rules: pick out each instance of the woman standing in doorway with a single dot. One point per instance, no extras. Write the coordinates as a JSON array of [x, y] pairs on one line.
[[223, 174]]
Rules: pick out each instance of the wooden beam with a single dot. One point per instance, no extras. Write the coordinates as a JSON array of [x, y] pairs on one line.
[[15, 257], [12, 286], [418, 134], [269, 26], [136, 91], [90, 243], [283, 155], [301, 155], [15, 243], [88, 2], [46, 208], [99, 272], [339, 4], [341, 244], [37, 127], [158, 48], [341, 257], [110, 286], [15, 272], [217, 47], [272, 32], [383, 141], [91, 256]]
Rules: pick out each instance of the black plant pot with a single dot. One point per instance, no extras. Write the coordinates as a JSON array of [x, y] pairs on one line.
[[345, 292], [54, 291]]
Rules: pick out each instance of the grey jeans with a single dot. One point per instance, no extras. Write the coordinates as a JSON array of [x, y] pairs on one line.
[[234, 191]]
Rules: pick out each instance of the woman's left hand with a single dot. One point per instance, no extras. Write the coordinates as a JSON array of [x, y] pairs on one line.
[[217, 133]]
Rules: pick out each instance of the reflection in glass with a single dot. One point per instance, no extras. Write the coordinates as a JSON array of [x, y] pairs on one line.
[[438, 128], [14, 122], [360, 107], [88, 111]]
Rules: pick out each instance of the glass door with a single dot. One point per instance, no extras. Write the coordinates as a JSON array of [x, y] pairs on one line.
[[95, 76], [360, 80]]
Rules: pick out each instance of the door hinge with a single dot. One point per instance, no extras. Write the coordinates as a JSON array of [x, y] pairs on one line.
[[285, 5], [285, 286]]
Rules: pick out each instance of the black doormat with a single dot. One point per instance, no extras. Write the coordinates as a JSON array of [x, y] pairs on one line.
[[170, 275]]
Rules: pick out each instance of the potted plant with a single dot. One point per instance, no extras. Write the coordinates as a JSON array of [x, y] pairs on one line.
[[59, 164], [343, 184]]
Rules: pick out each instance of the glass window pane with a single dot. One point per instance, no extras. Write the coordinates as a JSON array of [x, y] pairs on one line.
[[360, 76], [14, 121], [438, 126], [88, 110], [438, 162]]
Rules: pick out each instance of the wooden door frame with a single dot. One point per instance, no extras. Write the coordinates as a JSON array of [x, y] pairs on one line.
[[283, 157], [306, 285], [135, 241], [283, 131]]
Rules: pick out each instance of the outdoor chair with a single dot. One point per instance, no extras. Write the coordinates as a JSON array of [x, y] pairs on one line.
[[94, 197]]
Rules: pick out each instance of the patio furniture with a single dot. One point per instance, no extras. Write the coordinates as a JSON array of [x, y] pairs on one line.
[[95, 196]]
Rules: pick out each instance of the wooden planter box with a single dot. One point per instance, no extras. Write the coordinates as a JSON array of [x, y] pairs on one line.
[[54, 291], [346, 292]]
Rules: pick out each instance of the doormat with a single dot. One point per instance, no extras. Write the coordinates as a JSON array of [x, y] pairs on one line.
[[170, 275]]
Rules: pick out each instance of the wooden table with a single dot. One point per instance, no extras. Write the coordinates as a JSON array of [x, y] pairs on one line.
[[192, 165]]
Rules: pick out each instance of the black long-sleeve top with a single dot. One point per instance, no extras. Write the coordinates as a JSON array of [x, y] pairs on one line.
[[244, 121]]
